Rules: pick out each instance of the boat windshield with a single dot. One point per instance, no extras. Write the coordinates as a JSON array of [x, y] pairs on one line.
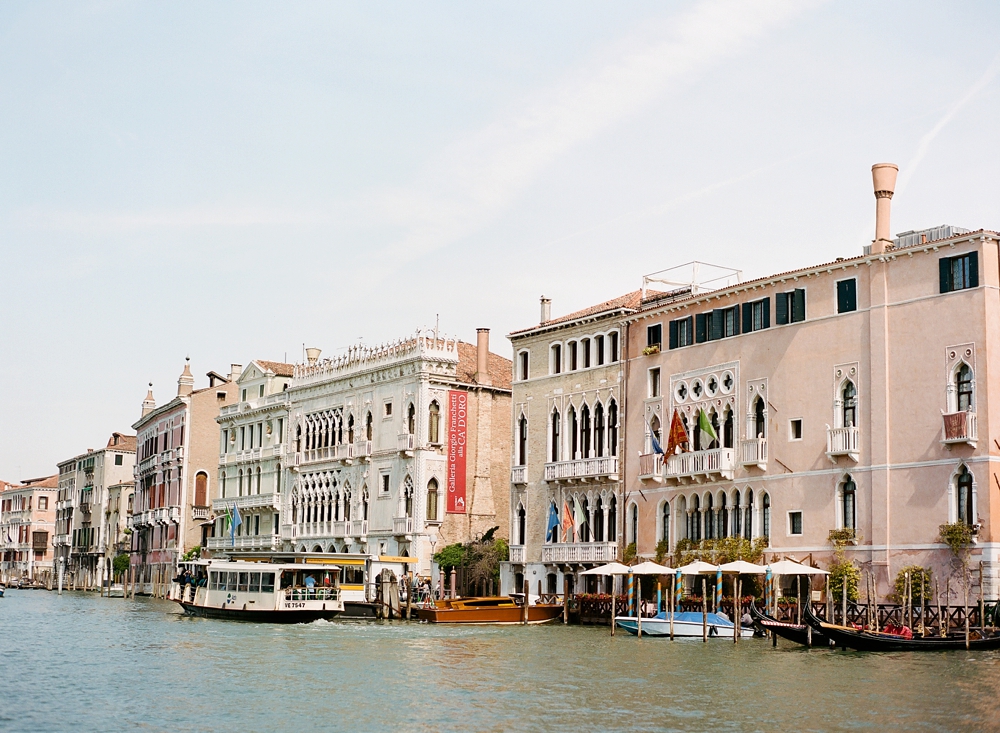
[[310, 579]]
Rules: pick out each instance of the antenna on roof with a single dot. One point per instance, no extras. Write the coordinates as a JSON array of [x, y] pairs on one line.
[[437, 324]]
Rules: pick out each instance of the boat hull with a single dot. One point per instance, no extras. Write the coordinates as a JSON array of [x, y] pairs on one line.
[[682, 629], [793, 632], [295, 616], [463, 612]]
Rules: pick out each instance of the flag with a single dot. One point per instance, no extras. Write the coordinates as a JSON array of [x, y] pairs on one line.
[[652, 438], [234, 523], [678, 437], [579, 518], [552, 531], [567, 523], [707, 431]]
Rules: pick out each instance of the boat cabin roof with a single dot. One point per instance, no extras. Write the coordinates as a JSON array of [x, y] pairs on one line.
[[277, 567]]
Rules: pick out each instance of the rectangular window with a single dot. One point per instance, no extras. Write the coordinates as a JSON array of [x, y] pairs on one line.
[[243, 397], [572, 356], [267, 583], [847, 296], [795, 429], [387, 409], [261, 392], [654, 382], [756, 315], [556, 366], [613, 346], [118, 459], [522, 362], [384, 485], [43, 502], [586, 353], [794, 522], [682, 332], [654, 335], [959, 273], [730, 321], [213, 581], [790, 307], [255, 582], [599, 349]]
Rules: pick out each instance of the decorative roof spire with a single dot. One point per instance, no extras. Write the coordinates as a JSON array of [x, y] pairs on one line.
[[148, 404], [185, 383]]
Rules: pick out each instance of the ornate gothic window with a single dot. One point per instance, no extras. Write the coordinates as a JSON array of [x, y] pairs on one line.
[[432, 500], [965, 507], [434, 423], [849, 492], [964, 384], [849, 406]]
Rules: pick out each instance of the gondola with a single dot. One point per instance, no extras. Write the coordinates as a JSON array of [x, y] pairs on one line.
[[799, 633], [877, 641]]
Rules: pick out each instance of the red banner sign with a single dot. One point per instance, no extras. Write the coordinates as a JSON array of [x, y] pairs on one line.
[[457, 443]]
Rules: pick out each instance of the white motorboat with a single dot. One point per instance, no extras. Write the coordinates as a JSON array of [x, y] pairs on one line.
[[686, 624]]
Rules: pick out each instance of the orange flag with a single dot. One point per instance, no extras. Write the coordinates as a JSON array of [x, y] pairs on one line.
[[678, 437], [567, 523]]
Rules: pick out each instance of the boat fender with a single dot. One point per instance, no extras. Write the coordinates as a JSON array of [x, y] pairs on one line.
[[712, 631]]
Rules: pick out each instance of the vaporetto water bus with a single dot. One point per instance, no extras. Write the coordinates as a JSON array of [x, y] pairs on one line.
[[258, 591]]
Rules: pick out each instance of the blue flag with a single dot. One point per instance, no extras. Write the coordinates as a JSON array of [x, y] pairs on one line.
[[552, 533], [236, 522], [656, 444]]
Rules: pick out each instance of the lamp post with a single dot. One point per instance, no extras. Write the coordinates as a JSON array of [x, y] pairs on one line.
[[62, 566]]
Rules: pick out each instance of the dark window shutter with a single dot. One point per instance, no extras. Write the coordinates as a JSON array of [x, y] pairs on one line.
[[944, 265], [766, 318], [718, 321], [700, 334], [736, 319], [673, 334], [798, 305], [973, 269], [852, 295], [747, 317], [689, 339], [781, 308], [842, 296]]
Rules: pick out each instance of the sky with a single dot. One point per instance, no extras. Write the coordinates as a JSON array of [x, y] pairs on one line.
[[231, 181]]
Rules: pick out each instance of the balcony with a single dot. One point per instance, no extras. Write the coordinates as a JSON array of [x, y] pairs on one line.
[[175, 515], [519, 475], [358, 527], [288, 532], [402, 526], [583, 469], [651, 467], [199, 512], [517, 554], [580, 552], [406, 443], [753, 452], [363, 449], [703, 465], [254, 542], [842, 442], [61, 540], [254, 501], [959, 427]]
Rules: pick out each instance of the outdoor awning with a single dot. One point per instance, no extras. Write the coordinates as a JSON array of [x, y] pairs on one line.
[[651, 568], [612, 568], [790, 567], [742, 567], [698, 567]]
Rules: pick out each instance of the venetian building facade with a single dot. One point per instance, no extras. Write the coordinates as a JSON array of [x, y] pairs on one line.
[[177, 459], [251, 459], [567, 446], [27, 524], [854, 395], [84, 537], [398, 449]]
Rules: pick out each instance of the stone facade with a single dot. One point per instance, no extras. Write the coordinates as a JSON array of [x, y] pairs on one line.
[[27, 524]]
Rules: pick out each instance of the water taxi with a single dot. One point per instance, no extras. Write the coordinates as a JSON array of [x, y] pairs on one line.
[[686, 624], [487, 610], [256, 591]]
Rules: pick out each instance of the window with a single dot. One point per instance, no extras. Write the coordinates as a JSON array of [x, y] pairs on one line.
[[243, 396], [682, 332], [756, 315], [613, 346], [790, 307], [599, 350], [759, 419], [387, 409], [585, 346], [633, 529], [748, 516], [613, 428], [766, 516], [201, 489], [522, 364], [847, 296], [965, 507], [260, 391], [849, 405], [555, 364], [795, 429], [43, 502], [654, 335], [522, 441], [432, 500], [728, 429], [849, 518], [794, 523], [368, 426], [963, 384], [654, 382], [729, 321], [665, 523], [555, 436], [572, 348], [599, 430], [384, 482], [118, 459], [434, 423], [959, 273], [411, 419]]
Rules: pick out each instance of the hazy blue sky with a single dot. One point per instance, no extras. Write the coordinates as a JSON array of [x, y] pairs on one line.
[[230, 180]]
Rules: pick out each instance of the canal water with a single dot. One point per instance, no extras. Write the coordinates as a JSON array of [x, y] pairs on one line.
[[83, 663]]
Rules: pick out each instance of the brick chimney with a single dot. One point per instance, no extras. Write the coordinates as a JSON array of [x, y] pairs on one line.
[[884, 181], [483, 356]]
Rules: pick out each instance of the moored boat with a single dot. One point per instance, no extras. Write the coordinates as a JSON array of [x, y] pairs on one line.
[[799, 633], [686, 624], [264, 592], [487, 610]]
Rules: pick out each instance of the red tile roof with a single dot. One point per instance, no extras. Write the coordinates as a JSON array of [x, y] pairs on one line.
[[49, 482], [279, 368], [122, 442], [499, 368], [628, 302]]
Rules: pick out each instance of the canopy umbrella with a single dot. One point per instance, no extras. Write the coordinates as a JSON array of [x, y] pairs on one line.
[[790, 567], [698, 567], [742, 567], [651, 568], [612, 568]]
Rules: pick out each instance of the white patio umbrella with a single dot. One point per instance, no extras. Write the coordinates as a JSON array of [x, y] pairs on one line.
[[612, 568], [698, 567], [790, 567], [651, 568], [742, 567]]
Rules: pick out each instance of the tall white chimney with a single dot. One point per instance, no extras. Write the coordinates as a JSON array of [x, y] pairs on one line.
[[884, 181], [546, 309], [312, 355]]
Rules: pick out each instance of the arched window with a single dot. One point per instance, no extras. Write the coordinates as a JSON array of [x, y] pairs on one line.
[[716, 428], [411, 419], [654, 434], [432, 500], [765, 504], [258, 481], [585, 434], [368, 426], [277, 478], [434, 423], [201, 489], [408, 496], [709, 518], [522, 528], [584, 531], [599, 521], [723, 518], [239, 483], [633, 524], [665, 523], [522, 441], [613, 428], [555, 452], [599, 430], [350, 428], [694, 531], [737, 515], [298, 438], [613, 520], [748, 516], [573, 428], [759, 423], [849, 498], [849, 405], [222, 481], [727, 429], [364, 503], [966, 511], [963, 385], [347, 502]]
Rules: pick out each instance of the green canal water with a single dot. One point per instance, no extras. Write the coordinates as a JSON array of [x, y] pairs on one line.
[[83, 663]]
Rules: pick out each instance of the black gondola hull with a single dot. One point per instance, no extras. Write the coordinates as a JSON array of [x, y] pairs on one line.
[[793, 632], [269, 617]]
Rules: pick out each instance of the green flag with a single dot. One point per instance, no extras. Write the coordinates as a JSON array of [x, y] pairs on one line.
[[707, 431]]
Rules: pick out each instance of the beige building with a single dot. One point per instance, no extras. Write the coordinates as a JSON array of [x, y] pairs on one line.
[[178, 454], [853, 395], [27, 523], [567, 446]]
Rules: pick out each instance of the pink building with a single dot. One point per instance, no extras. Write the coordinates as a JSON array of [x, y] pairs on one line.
[[27, 521], [855, 395]]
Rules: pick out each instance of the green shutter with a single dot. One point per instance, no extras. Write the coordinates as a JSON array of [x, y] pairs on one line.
[[944, 267], [781, 308], [718, 321], [766, 318], [747, 317], [673, 334], [973, 269], [700, 334], [736, 319], [798, 305]]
